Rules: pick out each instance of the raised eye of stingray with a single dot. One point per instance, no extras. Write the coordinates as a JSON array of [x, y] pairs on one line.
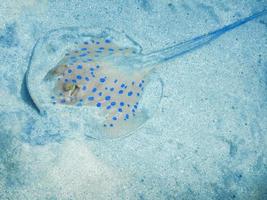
[[59, 70], [71, 88], [68, 87]]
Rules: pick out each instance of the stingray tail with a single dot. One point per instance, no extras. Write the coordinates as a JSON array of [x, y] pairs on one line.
[[176, 50]]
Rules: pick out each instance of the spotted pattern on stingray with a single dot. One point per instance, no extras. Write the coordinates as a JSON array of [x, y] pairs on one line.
[[86, 78]]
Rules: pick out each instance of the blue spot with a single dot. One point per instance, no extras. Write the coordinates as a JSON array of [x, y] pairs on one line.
[[89, 60], [101, 48], [111, 89], [135, 106], [133, 83], [97, 42], [127, 116], [81, 100], [111, 125], [94, 89], [107, 41], [97, 66], [140, 85], [74, 81], [133, 110], [121, 103], [115, 81], [90, 98], [79, 77], [79, 67], [66, 80], [69, 71], [138, 94], [108, 107], [107, 98], [102, 80], [121, 91], [92, 69], [123, 85], [52, 97], [130, 93], [62, 101], [87, 79], [83, 49], [120, 110], [98, 104], [143, 81], [100, 93], [86, 43], [113, 103], [114, 118], [82, 55], [84, 88], [110, 49]]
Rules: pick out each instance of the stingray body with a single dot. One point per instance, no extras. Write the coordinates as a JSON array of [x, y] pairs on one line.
[[89, 76], [109, 75]]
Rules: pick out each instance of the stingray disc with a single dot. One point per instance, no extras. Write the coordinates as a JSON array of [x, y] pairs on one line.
[[88, 78]]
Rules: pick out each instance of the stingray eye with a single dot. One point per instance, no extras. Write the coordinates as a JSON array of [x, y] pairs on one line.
[[59, 70], [68, 87], [71, 88]]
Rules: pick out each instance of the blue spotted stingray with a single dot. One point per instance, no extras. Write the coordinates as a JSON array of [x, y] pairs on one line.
[[89, 76], [100, 72]]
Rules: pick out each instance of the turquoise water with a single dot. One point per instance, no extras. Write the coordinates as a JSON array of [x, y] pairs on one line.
[[202, 134]]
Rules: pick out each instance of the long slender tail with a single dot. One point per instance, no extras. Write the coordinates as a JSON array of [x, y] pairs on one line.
[[176, 50]]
